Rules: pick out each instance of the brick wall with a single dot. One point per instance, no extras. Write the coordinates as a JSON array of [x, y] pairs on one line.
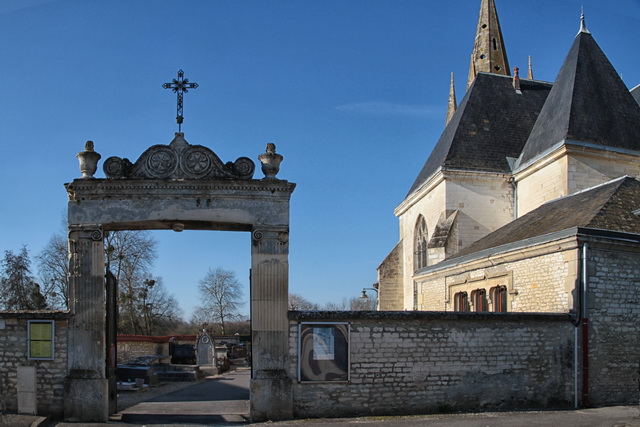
[[420, 362], [50, 374]]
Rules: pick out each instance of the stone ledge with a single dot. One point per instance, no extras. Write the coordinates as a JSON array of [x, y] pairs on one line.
[[424, 315]]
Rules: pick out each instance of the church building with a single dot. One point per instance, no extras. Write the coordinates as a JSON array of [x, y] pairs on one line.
[[531, 188]]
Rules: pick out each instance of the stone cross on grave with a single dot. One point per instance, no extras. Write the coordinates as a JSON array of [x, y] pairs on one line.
[[180, 86]]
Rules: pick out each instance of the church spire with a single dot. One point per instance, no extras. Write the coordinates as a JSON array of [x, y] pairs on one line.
[[489, 54], [452, 102]]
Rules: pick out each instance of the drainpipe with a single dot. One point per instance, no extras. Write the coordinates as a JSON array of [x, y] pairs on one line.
[[512, 181], [584, 314]]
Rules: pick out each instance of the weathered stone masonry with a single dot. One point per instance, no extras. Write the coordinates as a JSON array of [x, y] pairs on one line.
[[420, 362], [614, 338], [49, 373]]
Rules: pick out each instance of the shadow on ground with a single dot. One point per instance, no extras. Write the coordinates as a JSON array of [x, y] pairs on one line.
[[223, 400]]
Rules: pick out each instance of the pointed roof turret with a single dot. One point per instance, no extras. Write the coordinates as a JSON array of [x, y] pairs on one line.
[[489, 54], [589, 103], [452, 101]]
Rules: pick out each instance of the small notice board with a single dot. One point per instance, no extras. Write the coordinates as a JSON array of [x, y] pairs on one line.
[[323, 352]]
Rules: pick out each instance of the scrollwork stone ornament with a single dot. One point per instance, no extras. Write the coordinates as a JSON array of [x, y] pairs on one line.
[[96, 235], [179, 160], [257, 235]]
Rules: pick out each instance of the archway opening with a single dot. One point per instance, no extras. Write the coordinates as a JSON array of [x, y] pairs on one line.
[[184, 334]]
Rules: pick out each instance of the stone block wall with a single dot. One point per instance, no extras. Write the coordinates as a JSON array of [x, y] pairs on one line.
[[50, 374], [530, 288], [614, 339], [541, 185], [591, 168], [423, 362], [128, 350], [390, 281]]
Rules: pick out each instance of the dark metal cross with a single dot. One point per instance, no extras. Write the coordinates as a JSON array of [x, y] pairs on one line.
[[180, 86]]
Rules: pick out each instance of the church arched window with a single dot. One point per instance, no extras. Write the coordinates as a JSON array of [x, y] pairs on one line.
[[420, 244]]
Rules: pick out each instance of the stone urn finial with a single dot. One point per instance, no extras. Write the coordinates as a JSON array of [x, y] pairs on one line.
[[270, 161], [88, 160]]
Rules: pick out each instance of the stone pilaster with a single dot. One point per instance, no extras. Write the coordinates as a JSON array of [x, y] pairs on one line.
[[86, 387], [271, 392]]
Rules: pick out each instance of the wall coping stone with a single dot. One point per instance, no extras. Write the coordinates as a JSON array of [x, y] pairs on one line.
[[424, 315], [35, 314]]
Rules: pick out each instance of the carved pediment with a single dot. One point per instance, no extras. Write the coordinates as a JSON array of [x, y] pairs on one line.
[[179, 160]]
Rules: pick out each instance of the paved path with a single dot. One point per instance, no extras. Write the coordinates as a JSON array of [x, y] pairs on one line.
[[223, 400]]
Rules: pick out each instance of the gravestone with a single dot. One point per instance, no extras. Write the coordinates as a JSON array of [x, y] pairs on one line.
[[205, 350]]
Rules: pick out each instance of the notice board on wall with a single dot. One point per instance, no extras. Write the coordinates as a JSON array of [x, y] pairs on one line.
[[323, 352]]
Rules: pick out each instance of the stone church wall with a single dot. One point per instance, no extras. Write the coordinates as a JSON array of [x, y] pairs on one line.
[[530, 288], [587, 171], [570, 173], [420, 362], [390, 281], [545, 183], [484, 201], [614, 313], [50, 374], [430, 205]]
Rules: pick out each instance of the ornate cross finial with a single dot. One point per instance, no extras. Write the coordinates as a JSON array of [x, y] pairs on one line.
[[180, 86]]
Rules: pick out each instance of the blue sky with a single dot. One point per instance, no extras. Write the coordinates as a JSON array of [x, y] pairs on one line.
[[352, 92]]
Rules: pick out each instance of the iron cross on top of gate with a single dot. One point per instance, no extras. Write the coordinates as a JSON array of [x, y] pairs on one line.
[[180, 86]]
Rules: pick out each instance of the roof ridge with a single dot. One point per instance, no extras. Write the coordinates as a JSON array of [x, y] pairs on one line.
[[585, 190]]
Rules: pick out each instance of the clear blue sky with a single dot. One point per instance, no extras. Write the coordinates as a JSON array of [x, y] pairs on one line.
[[352, 92]]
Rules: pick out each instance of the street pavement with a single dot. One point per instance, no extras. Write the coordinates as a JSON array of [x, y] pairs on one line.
[[224, 401]]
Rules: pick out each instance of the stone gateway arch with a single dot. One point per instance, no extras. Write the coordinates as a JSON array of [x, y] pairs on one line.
[[178, 187]]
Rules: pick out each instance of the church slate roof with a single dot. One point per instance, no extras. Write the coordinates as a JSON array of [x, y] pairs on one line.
[[491, 123], [609, 206], [589, 102]]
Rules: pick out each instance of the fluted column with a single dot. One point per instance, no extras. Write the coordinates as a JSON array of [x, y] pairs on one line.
[[271, 394], [86, 387]]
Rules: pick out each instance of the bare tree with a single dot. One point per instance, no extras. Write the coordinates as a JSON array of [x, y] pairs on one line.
[[221, 293], [53, 268], [363, 304], [129, 256], [160, 312], [144, 303], [298, 302], [18, 288], [353, 304]]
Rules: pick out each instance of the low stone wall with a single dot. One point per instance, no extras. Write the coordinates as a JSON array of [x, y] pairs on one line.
[[425, 362], [50, 374]]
